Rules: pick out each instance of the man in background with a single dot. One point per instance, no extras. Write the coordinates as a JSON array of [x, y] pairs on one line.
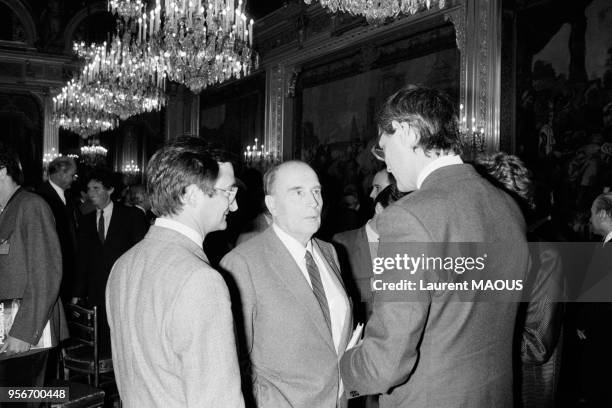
[[140, 199], [381, 180], [103, 236], [62, 172], [169, 310]]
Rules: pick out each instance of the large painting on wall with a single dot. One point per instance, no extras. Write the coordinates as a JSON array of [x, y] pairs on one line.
[[337, 101], [233, 116], [564, 106]]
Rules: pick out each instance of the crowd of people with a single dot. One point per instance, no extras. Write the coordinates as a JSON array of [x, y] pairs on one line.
[[279, 316]]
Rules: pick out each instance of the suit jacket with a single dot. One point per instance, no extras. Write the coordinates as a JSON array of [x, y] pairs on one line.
[[65, 222], [32, 269], [95, 259], [171, 325], [444, 353], [293, 360], [355, 259]]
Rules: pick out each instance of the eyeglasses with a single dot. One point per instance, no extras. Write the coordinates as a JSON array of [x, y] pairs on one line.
[[378, 152], [230, 193]]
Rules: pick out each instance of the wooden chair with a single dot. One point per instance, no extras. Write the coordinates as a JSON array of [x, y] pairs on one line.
[[82, 354]]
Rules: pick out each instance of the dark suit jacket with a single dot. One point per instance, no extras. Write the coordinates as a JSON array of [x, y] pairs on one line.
[[293, 359], [95, 259], [65, 222], [32, 269], [438, 352], [355, 259]]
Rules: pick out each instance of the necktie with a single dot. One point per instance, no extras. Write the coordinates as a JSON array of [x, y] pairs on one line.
[[317, 287], [101, 227]]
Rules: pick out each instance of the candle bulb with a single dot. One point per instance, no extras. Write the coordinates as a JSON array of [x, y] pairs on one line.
[[251, 33]]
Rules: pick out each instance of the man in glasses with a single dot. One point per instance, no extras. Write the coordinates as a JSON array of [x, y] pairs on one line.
[[423, 348], [169, 311]]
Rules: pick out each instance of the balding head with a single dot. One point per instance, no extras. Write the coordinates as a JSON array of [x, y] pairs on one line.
[[293, 196]]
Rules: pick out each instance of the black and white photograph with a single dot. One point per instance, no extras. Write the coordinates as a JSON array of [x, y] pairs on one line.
[[306, 203]]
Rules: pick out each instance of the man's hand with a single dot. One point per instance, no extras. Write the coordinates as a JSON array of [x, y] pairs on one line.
[[74, 300], [14, 346]]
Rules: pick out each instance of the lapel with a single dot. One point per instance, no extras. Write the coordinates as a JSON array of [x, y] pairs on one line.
[[288, 272], [114, 223], [330, 260]]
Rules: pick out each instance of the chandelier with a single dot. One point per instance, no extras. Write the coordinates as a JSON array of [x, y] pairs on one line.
[[472, 137], [207, 42], [119, 79], [93, 155], [257, 157], [378, 11], [131, 168]]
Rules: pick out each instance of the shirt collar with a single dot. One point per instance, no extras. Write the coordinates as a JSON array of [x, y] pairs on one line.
[[442, 161], [608, 237], [58, 190], [297, 250], [181, 228], [108, 209], [371, 234]]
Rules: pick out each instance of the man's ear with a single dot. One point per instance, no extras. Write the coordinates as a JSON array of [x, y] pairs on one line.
[[111, 190], [408, 135], [269, 200], [189, 198], [3, 172]]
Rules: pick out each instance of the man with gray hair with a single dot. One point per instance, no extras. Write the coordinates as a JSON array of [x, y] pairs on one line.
[[295, 312], [62, 172]]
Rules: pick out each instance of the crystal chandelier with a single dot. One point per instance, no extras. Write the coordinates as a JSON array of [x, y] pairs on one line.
[[378, 11], [131, 168], [206, 42], [257, 157], [472, 137], [93, 154], [120, 79]]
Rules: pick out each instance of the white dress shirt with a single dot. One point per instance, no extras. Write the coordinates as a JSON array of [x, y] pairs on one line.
[[608, 237], [442, 161], [59, 191], [108, 213], [336, 297], [189, 232]]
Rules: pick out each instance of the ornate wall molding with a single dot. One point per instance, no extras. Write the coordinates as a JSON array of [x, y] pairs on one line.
[[276, 88], [478, 31]]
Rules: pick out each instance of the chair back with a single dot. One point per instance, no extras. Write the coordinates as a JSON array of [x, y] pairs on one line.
[[83, 326]]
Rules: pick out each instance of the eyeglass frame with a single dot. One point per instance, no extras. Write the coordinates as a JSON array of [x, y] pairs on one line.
[[230, 193]]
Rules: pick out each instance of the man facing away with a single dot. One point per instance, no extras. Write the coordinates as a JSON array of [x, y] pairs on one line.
[[169, 311], [296, 316], [437, 352]]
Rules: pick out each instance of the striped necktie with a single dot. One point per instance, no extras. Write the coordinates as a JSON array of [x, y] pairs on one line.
[[317, 287]]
